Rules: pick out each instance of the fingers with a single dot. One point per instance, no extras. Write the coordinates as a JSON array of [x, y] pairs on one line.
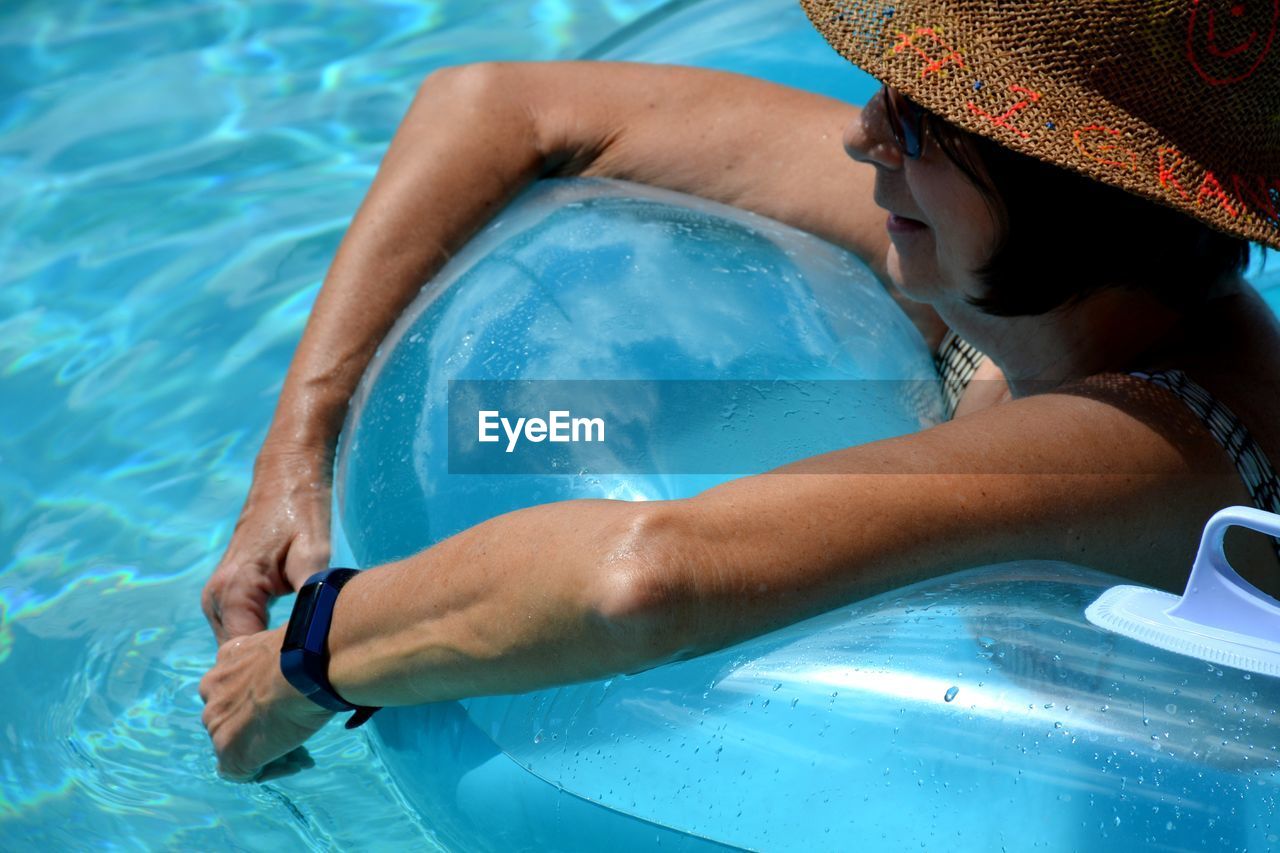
[[240, 621], [231, 765], [280, 539], [236, 597], [256, 720], [252, 735], [234, 620], [235, 773], [212, 607], [286, 765]]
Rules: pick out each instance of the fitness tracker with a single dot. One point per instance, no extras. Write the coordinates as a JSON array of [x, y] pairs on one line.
[[304, 657]]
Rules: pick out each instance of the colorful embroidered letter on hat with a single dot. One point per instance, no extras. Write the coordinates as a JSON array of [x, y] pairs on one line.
[[1174, 100]]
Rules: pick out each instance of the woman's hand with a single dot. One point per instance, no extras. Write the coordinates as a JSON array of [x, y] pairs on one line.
[[257, 720], [281, 539]]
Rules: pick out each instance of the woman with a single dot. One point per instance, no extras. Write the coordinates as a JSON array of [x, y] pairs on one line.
[[1020, 220]]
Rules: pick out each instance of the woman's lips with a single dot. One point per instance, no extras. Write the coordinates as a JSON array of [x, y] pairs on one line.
[[902, 225]]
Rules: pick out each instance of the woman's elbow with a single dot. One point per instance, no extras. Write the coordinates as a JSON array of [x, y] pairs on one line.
[[472, 86], [513, 96], [472, 78], [645, 595]]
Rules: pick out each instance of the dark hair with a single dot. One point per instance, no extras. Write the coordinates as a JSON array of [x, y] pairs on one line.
[[1124, 239]]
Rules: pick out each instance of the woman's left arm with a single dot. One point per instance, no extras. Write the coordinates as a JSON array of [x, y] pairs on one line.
[[1113, 475]]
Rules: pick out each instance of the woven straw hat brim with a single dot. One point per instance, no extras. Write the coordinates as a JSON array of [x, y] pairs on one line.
[[1177, 101]]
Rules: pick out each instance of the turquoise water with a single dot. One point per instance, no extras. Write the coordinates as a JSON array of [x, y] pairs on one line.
[[174, 178]]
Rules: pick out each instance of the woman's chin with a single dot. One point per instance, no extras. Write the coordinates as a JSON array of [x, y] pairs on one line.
[[918, 285]]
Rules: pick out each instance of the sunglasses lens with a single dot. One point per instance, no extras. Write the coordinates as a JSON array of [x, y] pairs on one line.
[[906, 121]]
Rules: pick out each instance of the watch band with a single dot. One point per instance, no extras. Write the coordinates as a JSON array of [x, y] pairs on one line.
[[304, 657]]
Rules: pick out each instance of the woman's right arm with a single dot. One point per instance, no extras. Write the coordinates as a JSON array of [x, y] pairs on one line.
[[472, 139]]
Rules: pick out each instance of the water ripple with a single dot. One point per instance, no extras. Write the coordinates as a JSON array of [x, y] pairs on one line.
[[174, 178]]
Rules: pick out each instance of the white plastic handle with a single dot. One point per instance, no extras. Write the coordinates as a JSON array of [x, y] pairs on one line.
[[1216, 596]]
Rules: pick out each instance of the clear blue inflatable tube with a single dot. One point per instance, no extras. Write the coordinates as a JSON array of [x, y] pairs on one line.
[[967, 711], [974, 712]]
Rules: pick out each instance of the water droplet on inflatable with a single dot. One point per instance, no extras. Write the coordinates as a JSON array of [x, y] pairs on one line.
[[951, 693]]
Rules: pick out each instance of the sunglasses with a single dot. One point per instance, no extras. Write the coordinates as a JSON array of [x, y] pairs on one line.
[[906, 122]]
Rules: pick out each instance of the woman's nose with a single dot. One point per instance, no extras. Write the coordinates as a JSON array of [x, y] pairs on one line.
[[867, 137]]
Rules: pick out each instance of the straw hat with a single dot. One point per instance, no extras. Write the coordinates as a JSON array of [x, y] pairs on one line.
[[1175, 100]]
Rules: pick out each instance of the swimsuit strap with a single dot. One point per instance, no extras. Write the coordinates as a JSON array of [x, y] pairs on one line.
[[1254, 467], [957, 360]]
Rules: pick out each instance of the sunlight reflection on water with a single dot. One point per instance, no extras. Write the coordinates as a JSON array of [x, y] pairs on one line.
[[174, 179]]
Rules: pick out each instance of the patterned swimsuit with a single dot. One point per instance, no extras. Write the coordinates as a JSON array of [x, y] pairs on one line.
[[958, 360]]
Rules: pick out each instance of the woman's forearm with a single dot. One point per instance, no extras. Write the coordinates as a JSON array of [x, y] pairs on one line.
[[536, 597], [459, 155], [587, 589]]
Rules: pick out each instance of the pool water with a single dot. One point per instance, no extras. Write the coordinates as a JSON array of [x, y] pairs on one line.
[[174, 178]]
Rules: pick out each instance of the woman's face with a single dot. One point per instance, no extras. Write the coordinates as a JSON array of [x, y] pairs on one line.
[[949, 232]]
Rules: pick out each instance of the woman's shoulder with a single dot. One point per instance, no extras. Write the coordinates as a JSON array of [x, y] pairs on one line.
[[1231, 350]]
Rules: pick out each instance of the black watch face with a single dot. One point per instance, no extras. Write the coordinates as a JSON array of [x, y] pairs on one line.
[[304, 608]]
